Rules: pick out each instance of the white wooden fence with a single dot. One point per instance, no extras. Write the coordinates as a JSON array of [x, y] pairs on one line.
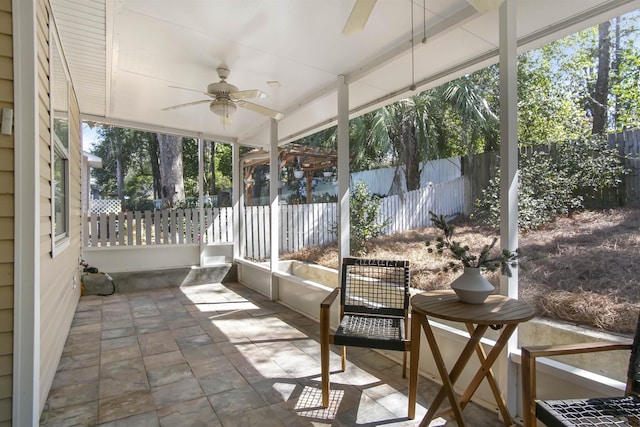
[[315, 224], [300, 225], [161, 227]]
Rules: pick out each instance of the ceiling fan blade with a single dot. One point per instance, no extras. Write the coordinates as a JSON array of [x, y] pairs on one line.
[[246, 94], [359, 16], [261, 110], [187, 104]]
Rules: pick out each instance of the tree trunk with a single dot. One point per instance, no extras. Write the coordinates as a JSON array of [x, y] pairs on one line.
[[213, 168], [171, 169], [601, 90], [119, 172], [411, 157], [152, 147]]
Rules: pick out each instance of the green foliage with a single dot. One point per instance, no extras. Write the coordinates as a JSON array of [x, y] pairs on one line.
[[138, 204], [364, 211], [556, 184], [486, 260]]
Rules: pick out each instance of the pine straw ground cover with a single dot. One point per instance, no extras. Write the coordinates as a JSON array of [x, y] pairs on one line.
[[583, 269]]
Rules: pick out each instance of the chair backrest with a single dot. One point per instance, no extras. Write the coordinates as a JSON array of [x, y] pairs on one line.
[[374, 286], [633, 374]]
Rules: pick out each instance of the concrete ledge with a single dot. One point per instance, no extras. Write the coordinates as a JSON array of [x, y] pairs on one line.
[[96, 284]]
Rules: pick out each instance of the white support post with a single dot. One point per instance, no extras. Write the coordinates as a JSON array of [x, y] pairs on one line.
[[26, 282], [509, 177], [344, 234], [237, 201], [201, 229], [508, 139], [274, 202]]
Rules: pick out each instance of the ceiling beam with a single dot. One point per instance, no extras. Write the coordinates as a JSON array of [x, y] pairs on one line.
[[157, 129]]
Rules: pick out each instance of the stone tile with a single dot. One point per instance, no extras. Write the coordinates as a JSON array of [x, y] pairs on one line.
[[121, 353], [277, 390], [122, 376], [189, 331], [250, 364], [201, 354], [75, 376], [163, 359], [125, 405], [82, 414], [262, 417], [83, 360], [157, 342], [85, 328], [116, 324], [169, 374], [120, 342], [145, 311], [118, 333], [213, 366], [182, 323], [194, 413], [147, 325], [222, 381], [81, 343], [193, 341], [147, 419], [72, 394], [187, 389], [235, 401]]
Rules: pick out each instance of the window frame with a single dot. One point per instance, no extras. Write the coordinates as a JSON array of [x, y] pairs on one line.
[[58, 150]]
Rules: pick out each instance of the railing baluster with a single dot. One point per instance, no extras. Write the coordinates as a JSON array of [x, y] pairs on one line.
[[138, 227], [120, 228]]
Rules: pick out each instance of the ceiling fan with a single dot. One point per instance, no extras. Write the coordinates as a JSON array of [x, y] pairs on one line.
[[362, 10], [225, 99]]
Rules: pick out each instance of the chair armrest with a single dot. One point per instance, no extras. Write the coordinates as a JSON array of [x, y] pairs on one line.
[[529, 355], [566, 349], [329, 299]]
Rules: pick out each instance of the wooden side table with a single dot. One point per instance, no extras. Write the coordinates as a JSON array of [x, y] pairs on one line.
[[498, 312]]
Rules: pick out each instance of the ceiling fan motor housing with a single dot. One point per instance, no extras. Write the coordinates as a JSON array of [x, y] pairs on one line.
[[221, 88]]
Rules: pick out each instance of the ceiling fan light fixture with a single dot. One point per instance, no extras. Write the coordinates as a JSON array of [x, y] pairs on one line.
[[222, 108], [483, 6]]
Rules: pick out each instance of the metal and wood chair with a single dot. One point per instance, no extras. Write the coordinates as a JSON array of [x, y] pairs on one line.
[[374, 307], [605, 411]]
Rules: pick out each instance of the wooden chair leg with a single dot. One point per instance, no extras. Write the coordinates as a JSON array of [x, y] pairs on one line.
[[404, 364], [344, 358], [324, 355]]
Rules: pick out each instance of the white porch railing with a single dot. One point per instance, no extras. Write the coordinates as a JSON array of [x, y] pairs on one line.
[[161, 227], [314, 224], [300, 225]]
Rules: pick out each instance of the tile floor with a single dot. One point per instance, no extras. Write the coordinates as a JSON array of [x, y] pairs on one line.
[[218, 355]]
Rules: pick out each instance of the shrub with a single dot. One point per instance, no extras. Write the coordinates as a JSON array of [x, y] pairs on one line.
[[364, 210], [555, 184]]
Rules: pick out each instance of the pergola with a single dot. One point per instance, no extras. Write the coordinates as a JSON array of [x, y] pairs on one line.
[[304, 161]]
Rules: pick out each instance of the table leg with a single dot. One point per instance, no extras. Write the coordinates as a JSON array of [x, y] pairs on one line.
[[485, 371], [449, 379], [413, 364]]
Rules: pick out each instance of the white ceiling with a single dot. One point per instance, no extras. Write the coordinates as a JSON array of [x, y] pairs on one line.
[[124, 55]]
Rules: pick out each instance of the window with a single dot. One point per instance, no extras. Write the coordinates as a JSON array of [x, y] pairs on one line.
[[59, 107]]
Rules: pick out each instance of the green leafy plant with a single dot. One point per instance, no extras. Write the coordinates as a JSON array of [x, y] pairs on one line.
[[364, 213], [556, 181], [487, 259]]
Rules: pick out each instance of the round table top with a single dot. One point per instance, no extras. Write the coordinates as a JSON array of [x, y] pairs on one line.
[[496, 310]]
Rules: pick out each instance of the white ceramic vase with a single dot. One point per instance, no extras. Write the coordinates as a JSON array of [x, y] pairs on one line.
[[472, 287]]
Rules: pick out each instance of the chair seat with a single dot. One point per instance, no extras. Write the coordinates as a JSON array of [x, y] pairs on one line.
[[371, 331], [612, 411]]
